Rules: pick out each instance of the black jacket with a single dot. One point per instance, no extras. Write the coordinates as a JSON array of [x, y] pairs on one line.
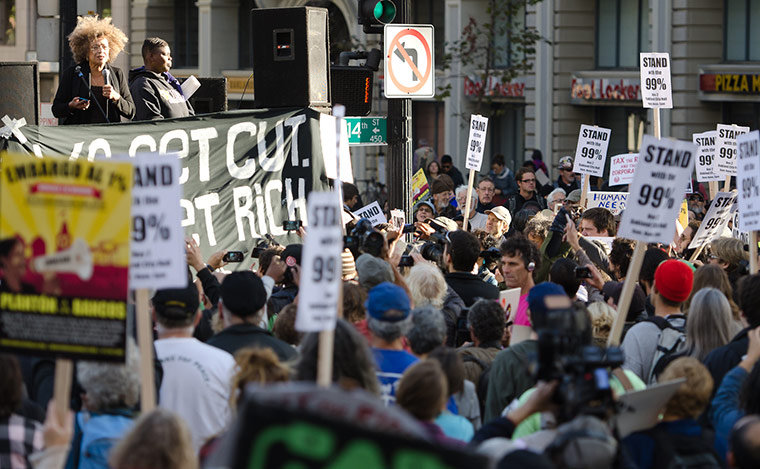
[[155, 97], [71, 85], [721, 360], [238, 336], [470, 288]]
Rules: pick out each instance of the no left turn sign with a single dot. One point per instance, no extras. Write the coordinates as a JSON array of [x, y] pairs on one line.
[[409, 63]]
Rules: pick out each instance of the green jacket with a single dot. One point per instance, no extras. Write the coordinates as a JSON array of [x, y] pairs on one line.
[[509, 377]]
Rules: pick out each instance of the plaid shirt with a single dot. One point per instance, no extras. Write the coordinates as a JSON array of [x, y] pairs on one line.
[[19, 438]]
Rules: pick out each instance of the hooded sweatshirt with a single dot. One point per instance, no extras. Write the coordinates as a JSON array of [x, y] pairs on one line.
[[157, 96]]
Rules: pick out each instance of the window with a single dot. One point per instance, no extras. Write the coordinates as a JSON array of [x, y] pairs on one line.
[[622, 31], [185, 50], [504, 54], [8, 23], [431, 12], [742, 30]]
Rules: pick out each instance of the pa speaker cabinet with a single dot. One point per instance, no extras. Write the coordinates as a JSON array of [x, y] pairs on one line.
[[211, 96], [291, 63], [20, 91]]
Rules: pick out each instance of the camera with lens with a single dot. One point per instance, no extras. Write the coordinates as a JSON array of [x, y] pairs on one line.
[[565, 354], [263, 245], [364, 239]]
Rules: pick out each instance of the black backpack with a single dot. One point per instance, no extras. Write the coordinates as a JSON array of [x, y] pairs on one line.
[[481, 387], [676, 451]]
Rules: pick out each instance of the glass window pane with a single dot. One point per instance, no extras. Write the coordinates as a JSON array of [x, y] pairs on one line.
[[736, 30], [644, 27], [628, 47], [606, 27], [500, 45], [754, 30]]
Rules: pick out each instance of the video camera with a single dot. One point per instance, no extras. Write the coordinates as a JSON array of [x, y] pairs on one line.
[[263, 245], [582, 370], [364, 239]]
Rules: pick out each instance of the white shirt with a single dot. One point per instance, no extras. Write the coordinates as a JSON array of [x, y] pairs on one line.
[[477, 222], [196, 385]]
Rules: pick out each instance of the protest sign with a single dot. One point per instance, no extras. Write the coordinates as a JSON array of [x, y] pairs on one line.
[[705, 163], [509, 300], [330, 148], [542, 178], [398, 219], [725, 144], [622, 168], [749, 180], [605, 241], [157, 254], [715, 220], [72, 221], [420, 187], [242, 172], [477, 142], [736, 221], [657, 190], [615, 202], [372, 212], [321, 265], [656, 91], [591, 150]]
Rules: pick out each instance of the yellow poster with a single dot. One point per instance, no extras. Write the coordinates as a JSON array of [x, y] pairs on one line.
[[683, 215], [420, 189], [64, 255]]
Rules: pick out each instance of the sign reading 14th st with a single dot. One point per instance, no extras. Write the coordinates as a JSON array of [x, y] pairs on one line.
[[659, 185], [365, 131], [409, 61], [655, 80], [591, 151]]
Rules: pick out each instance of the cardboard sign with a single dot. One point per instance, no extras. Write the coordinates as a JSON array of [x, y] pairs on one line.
[[705, 163], [477, 142], [641, 409], [321, 266], [748, 180], [420, 187], [591, 150], [605, 241], [398, 219], [509, 300], [157, 255], [736, 231], [622, 168], [656, 91], [542, 178], [73, 222], [657, 190], [372, 212], [725, 143], [715, 220], [615, 202]]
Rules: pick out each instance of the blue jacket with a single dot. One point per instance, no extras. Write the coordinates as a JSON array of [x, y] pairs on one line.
[[725, 410]]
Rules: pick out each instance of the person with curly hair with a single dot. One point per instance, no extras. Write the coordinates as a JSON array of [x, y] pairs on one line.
[[95, 44]]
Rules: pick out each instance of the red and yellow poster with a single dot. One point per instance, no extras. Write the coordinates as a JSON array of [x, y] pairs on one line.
[[64, 256]]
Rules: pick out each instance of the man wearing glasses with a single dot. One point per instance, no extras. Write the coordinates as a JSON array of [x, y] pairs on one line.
[[526, 185], [566, 180], [486, 191]]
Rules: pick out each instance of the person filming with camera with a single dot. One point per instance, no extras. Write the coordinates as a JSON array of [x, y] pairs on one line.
[[461, 254]]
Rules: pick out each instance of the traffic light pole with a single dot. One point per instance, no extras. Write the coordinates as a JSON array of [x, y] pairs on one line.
[[398, 167]]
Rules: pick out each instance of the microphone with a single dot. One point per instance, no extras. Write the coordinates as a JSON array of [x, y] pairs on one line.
[[78, 70], [106, 76]]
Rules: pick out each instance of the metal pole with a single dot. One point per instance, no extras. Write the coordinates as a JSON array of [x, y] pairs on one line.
[[398, 167]]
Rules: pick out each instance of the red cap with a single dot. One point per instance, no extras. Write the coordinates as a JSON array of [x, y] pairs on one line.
[[674, 280]]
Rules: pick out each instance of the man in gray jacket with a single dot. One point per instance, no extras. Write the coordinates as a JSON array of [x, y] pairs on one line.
[[157, 94]]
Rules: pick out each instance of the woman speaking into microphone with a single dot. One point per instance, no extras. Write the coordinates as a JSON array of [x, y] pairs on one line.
[[94, 91]]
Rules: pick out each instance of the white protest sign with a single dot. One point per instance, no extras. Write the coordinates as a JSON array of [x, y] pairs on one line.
[[725, 144], [736, 231], [622, 168], [656, 91], [321, 265], [373, 213], [591, 150], [329, 147], [715, 219], [707, 171], [749, 180], [157, 253], [541, 177], [657, 190], [509, 301], [477, 142], [615, 202], [398, 219]]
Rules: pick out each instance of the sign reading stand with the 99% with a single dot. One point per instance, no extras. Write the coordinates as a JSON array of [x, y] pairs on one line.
[[658, 187], [725, 143], [321, 266], [591, 151], [656, 91], [749, 180], [477, 141]]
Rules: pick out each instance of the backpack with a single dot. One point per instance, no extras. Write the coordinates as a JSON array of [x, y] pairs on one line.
[[676, 451], [94, 436], [481, 387], [672, 339]]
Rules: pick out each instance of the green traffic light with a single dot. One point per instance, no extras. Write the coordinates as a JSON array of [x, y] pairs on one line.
[[384, 11]]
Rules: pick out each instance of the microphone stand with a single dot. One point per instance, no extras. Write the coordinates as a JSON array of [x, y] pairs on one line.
[[92, 95]]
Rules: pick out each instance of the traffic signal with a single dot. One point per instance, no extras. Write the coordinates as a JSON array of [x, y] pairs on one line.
[[352, 87], [375, 14]]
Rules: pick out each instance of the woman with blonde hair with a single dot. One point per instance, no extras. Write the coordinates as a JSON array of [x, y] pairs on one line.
[[95, 44], [158, 439]]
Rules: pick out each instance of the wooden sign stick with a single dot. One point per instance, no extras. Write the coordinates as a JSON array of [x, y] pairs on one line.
[[64, 368], [466, 213], [145, 345], [584, 192], [624, 304], [753, 252]]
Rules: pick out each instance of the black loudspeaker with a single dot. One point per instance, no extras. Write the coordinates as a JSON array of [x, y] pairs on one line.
[[20, 91], [291, 63], [211, 96]]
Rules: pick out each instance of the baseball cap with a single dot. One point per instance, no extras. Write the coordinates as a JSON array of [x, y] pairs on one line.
[[243, 293], [446, 223], [373, 271], [574, 196], [673, 280], [177, 303], [501, 213], [425, 202], [388, 302], [292, 254], [538, 304], [566, 162]]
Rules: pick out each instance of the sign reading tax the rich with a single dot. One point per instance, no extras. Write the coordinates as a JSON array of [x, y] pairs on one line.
[[69, 225], [658, 187], [591, 151]]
